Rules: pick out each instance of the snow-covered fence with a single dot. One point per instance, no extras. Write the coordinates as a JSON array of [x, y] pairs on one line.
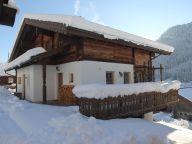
[[128, 105], [122, 100]]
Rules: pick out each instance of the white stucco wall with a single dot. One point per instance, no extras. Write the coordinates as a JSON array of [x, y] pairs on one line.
[[28, 72], [51, 82], [88, 72], [95, 72], [34, 81], [84, 72], [67, 69], [37, 83]]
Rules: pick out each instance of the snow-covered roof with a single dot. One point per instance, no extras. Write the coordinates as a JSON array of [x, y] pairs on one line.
[[24, 58], [2, 72], [108, 32], [101, 91], [12, 4]]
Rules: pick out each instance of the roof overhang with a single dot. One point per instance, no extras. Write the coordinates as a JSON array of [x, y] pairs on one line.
[[41, 57], [68, 30]]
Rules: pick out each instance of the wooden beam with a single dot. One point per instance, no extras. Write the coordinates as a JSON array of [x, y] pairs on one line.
[[44, 84], [133, 54], [50, 53]]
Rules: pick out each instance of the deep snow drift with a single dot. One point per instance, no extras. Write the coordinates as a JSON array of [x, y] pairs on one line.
[[22, 122]]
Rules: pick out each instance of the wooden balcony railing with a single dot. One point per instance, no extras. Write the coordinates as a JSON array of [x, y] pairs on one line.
[[127, 106]]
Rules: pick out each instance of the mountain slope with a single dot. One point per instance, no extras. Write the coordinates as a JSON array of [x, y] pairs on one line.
[[179, 64]]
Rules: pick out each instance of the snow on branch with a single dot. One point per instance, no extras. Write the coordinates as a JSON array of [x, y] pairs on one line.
[[101, 91]]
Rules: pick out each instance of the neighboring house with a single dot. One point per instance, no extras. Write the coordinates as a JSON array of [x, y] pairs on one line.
[[75, 51], [6, 79], [8, 12], [183, 109]]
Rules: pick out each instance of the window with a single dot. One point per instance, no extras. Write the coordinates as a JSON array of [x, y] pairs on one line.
[[126, 77], [71, 78], [109, 77], [10, 80], [19, 80]]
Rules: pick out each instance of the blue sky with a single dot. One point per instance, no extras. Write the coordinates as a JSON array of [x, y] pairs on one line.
[[147, 18]]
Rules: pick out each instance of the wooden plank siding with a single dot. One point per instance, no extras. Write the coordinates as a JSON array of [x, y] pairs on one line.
[[143, 66], [104, 51], [141, 57]]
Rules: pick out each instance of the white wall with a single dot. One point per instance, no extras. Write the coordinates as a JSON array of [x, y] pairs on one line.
[[87, 72], [34, 82], [28, 72], [37, 83], [95, 72], [67, 69], [51, 82], [84, 72]]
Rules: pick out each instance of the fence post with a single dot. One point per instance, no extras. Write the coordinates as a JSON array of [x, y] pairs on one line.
[[161, 72]]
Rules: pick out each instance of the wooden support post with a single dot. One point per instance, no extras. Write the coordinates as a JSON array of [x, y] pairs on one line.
[[16, 78], [161, 72], [153, 73], [144, 73], [44, 84], [42, 40]]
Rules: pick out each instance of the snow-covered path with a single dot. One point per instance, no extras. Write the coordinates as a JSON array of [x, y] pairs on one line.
[[22, 122]]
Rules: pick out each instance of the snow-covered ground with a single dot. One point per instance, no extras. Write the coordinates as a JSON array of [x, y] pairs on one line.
[[186, 92], [167, 118], [22, 122]]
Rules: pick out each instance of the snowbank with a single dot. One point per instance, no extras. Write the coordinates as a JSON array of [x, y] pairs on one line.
[[22, 122], [109, 33], [167, 117], [100, 91], [24, 57]]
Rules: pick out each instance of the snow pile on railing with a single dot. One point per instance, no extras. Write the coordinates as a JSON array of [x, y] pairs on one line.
[[107, 32], [24, 58], [100, 91]]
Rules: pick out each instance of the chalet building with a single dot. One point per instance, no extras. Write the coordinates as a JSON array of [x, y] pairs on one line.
[[77, 51], [8, 12], [6, 79]]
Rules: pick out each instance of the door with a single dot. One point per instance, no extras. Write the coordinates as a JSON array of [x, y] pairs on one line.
[[59, 81]]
